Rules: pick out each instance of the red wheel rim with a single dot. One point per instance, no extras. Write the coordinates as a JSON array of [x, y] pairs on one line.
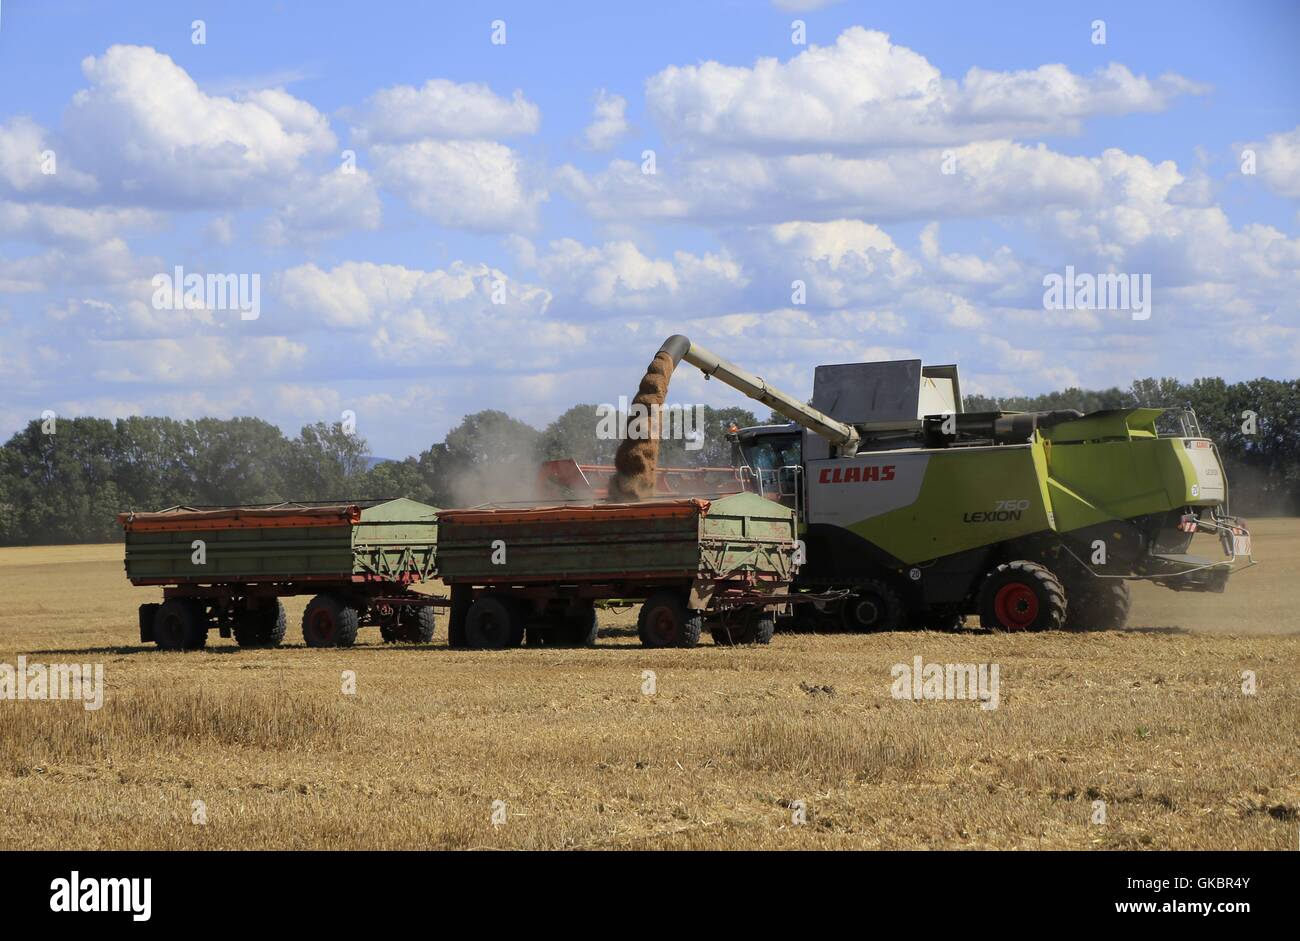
[[1016, 606], [663, 625], [323, 622]]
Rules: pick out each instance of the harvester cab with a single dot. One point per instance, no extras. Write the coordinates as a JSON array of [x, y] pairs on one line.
[[929, 513]]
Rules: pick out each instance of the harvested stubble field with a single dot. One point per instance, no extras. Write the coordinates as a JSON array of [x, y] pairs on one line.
[[1151, 720]]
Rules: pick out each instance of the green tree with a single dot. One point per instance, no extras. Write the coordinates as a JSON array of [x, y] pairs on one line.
[[324, 463]]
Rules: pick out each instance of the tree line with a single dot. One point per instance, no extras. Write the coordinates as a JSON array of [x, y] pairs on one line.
[[66, 481]]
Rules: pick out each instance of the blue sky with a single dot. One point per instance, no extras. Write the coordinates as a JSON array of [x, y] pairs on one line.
[[483, 167]]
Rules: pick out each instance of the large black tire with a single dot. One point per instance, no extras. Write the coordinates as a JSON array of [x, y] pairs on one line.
[[665, 621], [581, 625], [415, 625], [1099, 604], [873, 606], [262, 627], [1022, 596], [148, 613], [330, 622], [749, 627], [180, 624], [494, 623], [462, 596]]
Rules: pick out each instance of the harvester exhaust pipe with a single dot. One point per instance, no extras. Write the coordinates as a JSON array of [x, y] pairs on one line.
[[841, 436]]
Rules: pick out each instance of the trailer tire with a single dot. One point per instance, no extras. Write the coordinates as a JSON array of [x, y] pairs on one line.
[[412, 627], [421, 628], [582, 625], [330, 622], [462, 596], [1101, 604], [873, 606], [666, 621], [262, 627], [179, 624], [494, 623], [1022, 596], [753, 627], [147, 614]]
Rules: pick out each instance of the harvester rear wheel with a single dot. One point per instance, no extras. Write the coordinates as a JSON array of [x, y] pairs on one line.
[[1100, 604], [665, 621], [180, 624], [262, 627], [494, 623], [1022, 596], [330, 622], [873, 606]]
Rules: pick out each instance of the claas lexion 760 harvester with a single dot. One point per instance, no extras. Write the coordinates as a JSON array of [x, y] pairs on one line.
[[1029, 521]]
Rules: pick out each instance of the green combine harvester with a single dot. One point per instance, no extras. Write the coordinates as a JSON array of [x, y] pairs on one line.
[[1030, 521]]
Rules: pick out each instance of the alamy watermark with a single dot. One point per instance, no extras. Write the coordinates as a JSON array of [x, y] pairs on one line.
[[35, 681], [639, 422], [1084, 291], [977, 682], [181, 291]]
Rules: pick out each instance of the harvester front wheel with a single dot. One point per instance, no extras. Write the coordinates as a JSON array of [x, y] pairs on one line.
[[330, 622], [262, 627], [180, 624], [665, 621], [873, 606], [494, 623], [1101, 604], [1022, 596]]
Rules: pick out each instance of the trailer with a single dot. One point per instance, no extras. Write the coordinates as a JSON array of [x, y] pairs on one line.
[[226, 568], [534, 573]]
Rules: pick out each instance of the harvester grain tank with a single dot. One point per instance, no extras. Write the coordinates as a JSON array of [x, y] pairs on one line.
[[928, 513]]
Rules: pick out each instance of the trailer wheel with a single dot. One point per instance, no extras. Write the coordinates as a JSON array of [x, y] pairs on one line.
[[873, 606], [494, 623], [577, 627], [752, 627], [180, 624], [462, 597], [1022, 596], [330, 622], [417, 627], [411, 624], [262, 627], [1101, 604], [665, 621], [148, 612]]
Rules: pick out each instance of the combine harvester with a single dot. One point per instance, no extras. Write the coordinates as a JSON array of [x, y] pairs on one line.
[[925, 513]]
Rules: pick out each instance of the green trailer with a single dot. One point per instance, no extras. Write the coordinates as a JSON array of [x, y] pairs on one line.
[[227, 567], [536, 572]]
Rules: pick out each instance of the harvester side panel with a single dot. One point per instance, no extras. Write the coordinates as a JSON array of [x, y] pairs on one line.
[[935, 502]]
